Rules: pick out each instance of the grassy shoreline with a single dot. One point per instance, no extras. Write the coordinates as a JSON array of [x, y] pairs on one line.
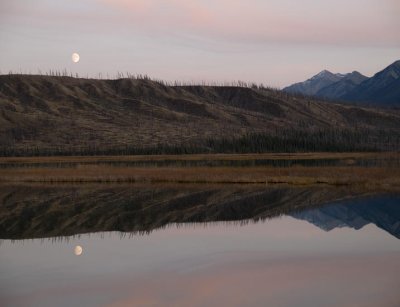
[[382, 177]]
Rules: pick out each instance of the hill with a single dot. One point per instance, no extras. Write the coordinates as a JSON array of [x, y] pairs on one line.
[[49, 115]]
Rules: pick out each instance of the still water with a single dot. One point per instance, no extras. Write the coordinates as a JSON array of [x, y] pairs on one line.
[[221, 247]]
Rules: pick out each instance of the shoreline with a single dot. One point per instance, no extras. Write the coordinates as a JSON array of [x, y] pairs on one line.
[[385, 175], [335, 176]]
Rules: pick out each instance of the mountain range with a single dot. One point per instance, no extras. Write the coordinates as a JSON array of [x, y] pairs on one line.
[[382, 89]]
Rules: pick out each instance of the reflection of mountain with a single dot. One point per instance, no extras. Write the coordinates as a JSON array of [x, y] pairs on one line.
[[47, 211], [382, 211]]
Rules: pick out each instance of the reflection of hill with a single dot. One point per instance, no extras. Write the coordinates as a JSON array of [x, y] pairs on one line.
[[384, 212], [47, 211]]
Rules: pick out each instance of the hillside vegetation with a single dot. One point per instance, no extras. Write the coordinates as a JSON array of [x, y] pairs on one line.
[[47, 115]]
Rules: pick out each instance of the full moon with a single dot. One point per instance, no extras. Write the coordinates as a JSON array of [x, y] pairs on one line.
[[75, 57], [78, 250]]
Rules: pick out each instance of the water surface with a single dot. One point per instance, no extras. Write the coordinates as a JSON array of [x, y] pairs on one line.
[[211, 246]]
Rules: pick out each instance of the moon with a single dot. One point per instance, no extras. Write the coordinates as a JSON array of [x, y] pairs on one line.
[[75, 57], [78, 250]]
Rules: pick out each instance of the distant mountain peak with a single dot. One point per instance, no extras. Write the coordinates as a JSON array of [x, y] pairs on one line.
[[355, 72], [397, 63], [323, 74], [383, 89], [315, 83], [346, 83], [393, 70], [355, 77]]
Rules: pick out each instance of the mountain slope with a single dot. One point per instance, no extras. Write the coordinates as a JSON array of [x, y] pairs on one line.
[[67, 113], [342, 87], [383, 88], [313, 85]]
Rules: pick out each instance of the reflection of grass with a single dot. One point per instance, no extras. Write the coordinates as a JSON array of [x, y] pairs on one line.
[[373, 177], [206, 157]]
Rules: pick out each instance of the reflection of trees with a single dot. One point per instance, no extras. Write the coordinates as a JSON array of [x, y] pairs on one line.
[[50, 211]]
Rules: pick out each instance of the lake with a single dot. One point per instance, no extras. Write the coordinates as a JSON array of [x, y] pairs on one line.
[[198, 245]]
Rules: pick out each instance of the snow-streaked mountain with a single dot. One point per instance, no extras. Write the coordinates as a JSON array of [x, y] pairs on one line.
[[383, 89], [313, 85], [343, 86]]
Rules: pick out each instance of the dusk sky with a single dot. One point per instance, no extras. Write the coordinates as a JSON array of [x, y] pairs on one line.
[[275, 42]]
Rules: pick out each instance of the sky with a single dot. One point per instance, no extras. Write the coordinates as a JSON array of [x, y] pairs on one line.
[[274, 42]]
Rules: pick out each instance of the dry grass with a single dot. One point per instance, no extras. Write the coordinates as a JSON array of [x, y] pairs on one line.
[[369, 177], [75, 170]]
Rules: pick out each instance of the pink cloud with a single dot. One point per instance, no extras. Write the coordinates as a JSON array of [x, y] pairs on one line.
[[339, 22], [308, 21]]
